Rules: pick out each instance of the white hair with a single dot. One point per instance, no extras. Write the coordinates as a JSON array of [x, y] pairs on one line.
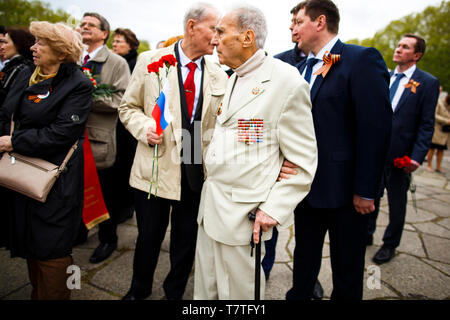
[[198, 12], [249, 17]]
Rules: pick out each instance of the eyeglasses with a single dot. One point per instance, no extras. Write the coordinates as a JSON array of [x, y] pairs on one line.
[[89, 24]]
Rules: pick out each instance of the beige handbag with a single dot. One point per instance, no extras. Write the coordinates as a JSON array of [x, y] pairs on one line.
[[32, 177]]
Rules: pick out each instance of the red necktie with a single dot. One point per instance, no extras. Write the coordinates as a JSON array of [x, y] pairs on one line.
[[189, 88], [86, 58]]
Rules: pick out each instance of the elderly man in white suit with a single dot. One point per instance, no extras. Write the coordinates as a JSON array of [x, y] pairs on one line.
[[265, 117]]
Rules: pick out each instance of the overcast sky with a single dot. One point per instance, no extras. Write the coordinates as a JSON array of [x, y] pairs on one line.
[[155, 20]]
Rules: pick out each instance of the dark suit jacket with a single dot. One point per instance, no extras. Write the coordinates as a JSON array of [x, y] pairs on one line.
[[192, 145], [413, 120], [293, 56], [352, 119]]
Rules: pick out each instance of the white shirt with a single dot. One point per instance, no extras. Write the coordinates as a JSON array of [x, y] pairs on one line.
[[184, 60], [401, 85], [319, 56], [91, 54]]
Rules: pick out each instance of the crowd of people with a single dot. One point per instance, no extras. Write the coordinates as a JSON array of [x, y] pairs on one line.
[[307, 138]]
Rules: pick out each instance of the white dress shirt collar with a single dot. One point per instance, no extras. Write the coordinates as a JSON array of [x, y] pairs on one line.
[[408, 73], [319, 56], [326, 48], [184, 60], [92, 54], [401, 85]]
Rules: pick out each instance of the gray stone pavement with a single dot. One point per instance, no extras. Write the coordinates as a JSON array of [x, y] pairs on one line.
[[420, 269]]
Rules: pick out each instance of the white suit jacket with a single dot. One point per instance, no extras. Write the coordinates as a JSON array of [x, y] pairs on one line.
[[242, 177]]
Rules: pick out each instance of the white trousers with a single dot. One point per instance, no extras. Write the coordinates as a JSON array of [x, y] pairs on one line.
[[225, 272]]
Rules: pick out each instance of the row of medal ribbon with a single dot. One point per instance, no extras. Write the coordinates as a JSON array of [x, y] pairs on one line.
[[250, 130]]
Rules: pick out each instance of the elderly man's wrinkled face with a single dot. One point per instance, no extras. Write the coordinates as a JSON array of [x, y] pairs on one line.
[[228, 42], [204, 32]]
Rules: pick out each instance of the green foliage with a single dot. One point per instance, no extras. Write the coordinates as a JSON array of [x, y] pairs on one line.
[[433, 25], [21, 13], [143, 46]]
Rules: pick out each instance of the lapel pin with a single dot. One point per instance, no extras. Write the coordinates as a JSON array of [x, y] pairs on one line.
[[255, 91], [219, 111]]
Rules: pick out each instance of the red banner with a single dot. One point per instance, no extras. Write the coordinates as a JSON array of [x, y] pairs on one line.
[[94, 210]]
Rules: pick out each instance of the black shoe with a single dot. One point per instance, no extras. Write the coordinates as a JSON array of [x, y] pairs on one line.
[[133, 295], [267, 275], [318, 291], [102, 252], [369, 241], [384, 255]]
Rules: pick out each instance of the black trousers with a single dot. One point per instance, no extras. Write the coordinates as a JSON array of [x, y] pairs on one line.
[[347, 232], [152, 220], [396, 181]]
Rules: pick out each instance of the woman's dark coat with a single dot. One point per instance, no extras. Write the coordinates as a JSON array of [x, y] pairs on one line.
[[47, 129], [10, 72]]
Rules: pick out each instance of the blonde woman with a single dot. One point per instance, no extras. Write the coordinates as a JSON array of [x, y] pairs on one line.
[[51, 103]]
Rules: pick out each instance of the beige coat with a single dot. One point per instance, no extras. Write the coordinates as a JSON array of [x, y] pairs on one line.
[[242, 177], [135, 113], [442, 118], [101, 124]]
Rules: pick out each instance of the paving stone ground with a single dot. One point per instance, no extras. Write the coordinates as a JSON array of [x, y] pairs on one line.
[[420, 269]]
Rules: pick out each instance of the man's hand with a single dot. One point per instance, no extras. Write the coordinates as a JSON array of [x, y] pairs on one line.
[[263, 221], [413, 167], [5, 144], [287, 170], [363, 206], [152, 137]]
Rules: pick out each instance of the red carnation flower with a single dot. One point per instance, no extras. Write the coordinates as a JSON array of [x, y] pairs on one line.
[[153, 67], [402, 162], [169, 60]]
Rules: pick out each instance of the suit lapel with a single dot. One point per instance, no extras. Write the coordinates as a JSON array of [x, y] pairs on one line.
[[407, 92], [226, 99], [206, 89], [174, 105], [251, 90], [337, 49], [301, 66]]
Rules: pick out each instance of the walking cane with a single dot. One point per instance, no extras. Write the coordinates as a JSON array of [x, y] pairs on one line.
[[252, 217]]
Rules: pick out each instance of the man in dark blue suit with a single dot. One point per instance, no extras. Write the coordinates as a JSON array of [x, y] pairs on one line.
[[414, 94], [293, 57], [352, 119]]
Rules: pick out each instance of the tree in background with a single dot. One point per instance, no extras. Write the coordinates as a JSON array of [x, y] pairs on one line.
[[433, 24], [19, 13]]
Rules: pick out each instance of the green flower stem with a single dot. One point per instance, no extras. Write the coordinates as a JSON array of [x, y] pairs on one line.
[[155, 158]]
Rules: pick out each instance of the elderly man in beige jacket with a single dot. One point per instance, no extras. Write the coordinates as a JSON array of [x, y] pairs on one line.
[[265, 117], [180, 150]]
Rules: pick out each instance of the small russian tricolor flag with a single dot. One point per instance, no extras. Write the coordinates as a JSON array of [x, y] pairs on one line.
[[161, 112]]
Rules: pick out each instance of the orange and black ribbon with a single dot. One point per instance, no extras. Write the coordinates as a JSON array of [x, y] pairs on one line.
[[36, 98], [413, 85], [328, 60]]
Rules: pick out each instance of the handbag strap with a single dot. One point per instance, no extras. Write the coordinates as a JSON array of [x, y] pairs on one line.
[[68, 155]]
